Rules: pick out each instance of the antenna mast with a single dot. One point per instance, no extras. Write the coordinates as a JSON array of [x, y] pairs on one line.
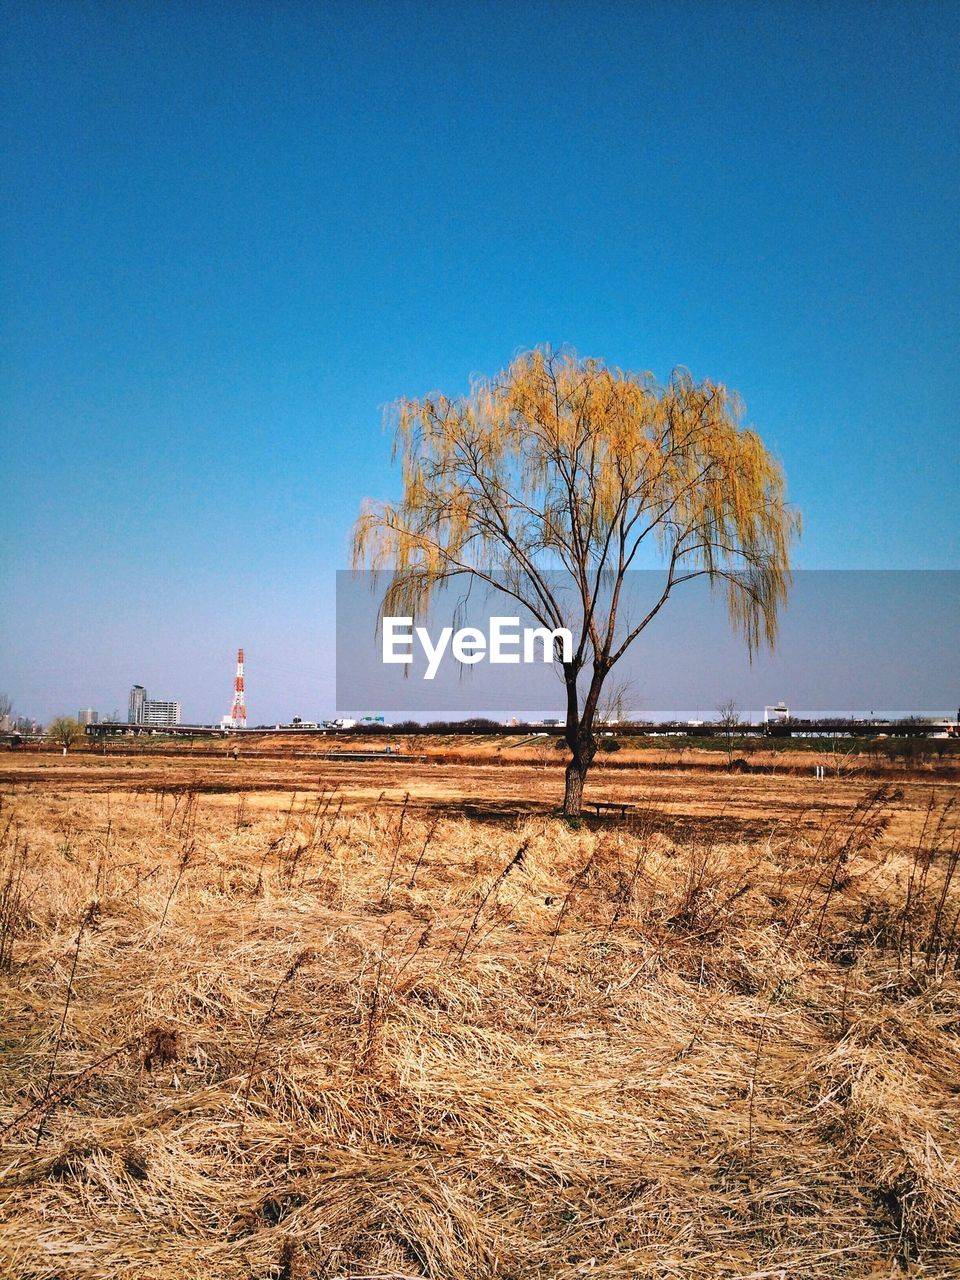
[[238, 712]]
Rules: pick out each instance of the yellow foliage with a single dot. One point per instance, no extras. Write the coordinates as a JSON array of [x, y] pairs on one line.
[[561, 463]]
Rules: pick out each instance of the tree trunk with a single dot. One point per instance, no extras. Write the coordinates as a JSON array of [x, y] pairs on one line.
[[584, 748], [573, 792], [580, 739]]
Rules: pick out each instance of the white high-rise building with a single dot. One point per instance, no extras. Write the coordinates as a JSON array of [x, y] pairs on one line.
[[88, 716], [158, 712]]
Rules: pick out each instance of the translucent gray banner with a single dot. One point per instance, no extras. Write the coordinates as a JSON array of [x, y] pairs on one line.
[[851, 643]]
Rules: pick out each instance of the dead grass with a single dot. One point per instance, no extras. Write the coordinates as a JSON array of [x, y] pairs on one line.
[[309, 1038]]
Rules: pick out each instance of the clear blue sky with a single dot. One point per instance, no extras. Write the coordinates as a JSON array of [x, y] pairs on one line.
[[231, 233]]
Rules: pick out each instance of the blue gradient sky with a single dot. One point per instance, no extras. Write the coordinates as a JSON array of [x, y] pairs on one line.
[[232, 233]]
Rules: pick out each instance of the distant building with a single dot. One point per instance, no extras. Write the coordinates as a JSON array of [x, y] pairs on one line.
[[138, 697], [88, 716], [158, 712]]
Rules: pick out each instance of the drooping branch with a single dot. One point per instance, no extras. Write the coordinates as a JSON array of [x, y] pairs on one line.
[[565, 464]]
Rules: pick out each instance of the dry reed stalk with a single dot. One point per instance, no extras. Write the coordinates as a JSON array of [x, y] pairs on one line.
[[575, 884], [184, 861], [515, 861], [89, 916], [67, 1090], [396, 849], [11, 895], [293, 968]]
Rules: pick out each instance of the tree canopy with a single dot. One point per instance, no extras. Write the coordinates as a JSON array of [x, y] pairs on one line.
[[562, 463], [65, 731]]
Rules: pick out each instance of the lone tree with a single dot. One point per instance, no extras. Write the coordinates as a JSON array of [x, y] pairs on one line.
[[65, 731], [728, 718], [560, 463]]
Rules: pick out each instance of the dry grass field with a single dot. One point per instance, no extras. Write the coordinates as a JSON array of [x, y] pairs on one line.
[[288, 1018]]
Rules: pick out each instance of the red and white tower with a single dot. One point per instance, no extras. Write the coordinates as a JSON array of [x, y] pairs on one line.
[[238, 712]]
